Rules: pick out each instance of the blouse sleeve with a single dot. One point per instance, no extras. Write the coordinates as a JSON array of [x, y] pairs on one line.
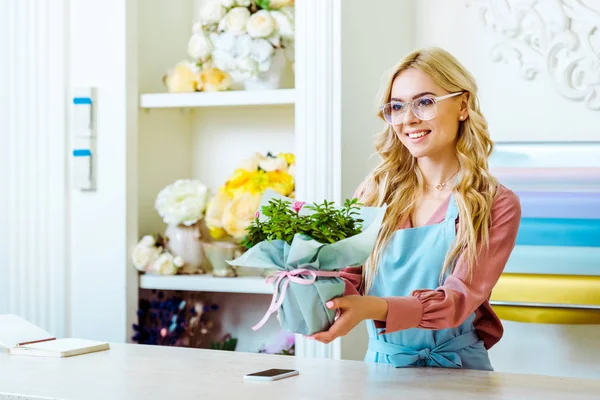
[[450, 304]]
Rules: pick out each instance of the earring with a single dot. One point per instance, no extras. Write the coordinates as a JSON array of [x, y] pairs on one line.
[[461, 117]]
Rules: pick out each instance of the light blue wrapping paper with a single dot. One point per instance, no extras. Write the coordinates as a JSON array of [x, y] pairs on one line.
[[303, 309]]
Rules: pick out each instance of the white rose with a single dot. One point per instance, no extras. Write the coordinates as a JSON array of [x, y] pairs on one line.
[[148, 240], [211, 12], [178, 261], [236, 20], [284, 25], [200, 46], [260, 24], [164, 265], [243, 45], [182, 202], [143, 256], [261, 50], [273, 164], [247, 68], [227, 3], [251, 163], [264, 66], [243, 3]]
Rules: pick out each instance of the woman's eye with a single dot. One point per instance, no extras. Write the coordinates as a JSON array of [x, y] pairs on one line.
[[397, 107], [425, 102]]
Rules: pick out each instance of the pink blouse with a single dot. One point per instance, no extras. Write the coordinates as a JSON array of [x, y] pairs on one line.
[[451, 303]]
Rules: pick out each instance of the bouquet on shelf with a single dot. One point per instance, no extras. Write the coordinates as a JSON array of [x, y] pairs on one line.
[[151, 256], [182, 202], [243, 38], [231, 210], [307, 246]]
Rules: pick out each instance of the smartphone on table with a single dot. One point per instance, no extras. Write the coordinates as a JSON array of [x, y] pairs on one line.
[[271, 374]]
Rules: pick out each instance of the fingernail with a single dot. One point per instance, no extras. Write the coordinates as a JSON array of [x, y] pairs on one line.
[[329, 304]]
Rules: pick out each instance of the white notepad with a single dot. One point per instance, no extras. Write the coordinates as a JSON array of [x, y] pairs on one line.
[[20, 337]]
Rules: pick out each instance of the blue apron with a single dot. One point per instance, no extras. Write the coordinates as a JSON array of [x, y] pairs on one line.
[[413, 260]]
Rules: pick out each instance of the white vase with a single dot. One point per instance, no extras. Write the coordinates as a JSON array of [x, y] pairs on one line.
[[218, 253], [271, 79], [185, 241]]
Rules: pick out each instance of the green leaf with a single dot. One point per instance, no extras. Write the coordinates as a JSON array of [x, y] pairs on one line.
[[263, 4]]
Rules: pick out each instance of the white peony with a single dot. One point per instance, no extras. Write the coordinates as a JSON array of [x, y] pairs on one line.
[[261, 24], [182, 202], [164, 265], [144, 256], [261, 50], [284, 25], [200, 47], [211, 12], [273, 164], [236, 20]]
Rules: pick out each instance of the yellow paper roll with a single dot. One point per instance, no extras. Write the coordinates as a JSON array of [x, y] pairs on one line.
[[548, 299]]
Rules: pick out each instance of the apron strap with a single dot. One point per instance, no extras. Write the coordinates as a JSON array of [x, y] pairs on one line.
[[444, 355], [452, 211]]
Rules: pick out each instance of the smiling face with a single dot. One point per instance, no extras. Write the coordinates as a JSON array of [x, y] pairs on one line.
[[431, 137]]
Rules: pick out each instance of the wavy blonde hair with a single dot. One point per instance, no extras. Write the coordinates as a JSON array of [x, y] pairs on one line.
[[398, 182]]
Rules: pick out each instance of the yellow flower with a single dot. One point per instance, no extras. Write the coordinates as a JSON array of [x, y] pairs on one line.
[[288, 157], [239, 178], [257, 183], [281, 182], [183, 78], [214, 211], [239, 213], [215, 80], [217, 233]]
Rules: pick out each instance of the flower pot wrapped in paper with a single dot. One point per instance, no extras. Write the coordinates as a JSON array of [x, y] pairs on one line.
[[307, 246]]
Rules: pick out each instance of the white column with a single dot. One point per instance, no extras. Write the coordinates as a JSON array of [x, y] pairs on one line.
[[33, 129], [318, 121]]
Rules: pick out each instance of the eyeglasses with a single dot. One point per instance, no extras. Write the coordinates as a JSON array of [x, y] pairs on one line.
[[424, 108]]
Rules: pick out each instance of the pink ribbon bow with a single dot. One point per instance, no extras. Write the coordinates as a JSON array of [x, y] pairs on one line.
[[287, 277]]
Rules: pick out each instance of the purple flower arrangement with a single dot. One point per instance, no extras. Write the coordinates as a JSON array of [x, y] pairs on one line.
[[172, 321], [284, 345]]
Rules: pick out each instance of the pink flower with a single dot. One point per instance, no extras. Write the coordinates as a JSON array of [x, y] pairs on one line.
[[297, 206], [257, 214], [163, 332]]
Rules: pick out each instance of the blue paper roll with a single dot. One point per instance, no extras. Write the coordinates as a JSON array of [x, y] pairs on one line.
[[554, 260], [560, 205], [559, 232]]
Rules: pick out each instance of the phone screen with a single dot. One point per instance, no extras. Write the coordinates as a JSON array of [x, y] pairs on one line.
[[271, 372]]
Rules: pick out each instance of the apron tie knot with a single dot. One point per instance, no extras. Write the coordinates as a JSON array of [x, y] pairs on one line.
[[424, 354]]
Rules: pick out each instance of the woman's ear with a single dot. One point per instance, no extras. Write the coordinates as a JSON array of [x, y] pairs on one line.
[[464, 101]]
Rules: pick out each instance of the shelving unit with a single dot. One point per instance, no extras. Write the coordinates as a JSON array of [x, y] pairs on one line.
[[218, 99], [207, 283]]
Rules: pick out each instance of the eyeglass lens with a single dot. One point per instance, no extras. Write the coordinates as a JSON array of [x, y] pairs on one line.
[[424, 109]]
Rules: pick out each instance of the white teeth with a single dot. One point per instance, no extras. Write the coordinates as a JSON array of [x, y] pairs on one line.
[[417, 135]]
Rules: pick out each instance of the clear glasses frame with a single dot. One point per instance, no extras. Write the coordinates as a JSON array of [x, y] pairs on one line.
[[415, 107]]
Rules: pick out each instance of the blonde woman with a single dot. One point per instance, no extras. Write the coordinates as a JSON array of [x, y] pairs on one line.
[[448, 232]]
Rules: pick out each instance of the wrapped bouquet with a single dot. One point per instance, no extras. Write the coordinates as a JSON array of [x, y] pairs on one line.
[[307, 246]]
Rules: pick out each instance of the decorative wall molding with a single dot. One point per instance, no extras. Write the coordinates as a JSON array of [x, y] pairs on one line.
[[34, 140], [318, 119], [557, 37]]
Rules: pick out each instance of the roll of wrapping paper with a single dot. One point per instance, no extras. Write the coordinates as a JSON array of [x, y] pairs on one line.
[[573, 205], [549, 299], [559, 232], [554, 260]]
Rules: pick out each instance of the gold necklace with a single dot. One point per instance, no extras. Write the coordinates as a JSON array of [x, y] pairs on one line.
[[442, 185]]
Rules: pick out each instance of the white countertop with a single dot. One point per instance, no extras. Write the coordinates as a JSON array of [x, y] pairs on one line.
[[147, 372]]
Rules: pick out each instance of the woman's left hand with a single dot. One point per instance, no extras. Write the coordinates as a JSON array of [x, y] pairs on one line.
[[354, 309]]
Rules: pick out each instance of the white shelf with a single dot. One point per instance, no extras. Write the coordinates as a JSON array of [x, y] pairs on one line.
[[206, 283], [218, 99]]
